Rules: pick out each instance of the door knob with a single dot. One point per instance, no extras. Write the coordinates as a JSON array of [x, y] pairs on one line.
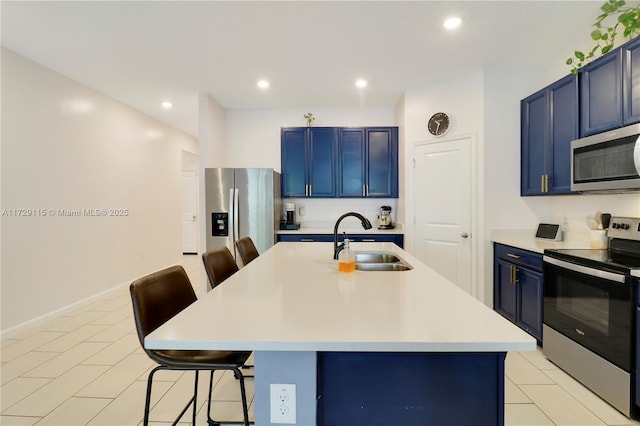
[[464, 235], [194, 218]]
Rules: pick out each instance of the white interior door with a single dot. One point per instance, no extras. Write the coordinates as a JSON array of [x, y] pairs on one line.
[[442, 194], [189, 212]]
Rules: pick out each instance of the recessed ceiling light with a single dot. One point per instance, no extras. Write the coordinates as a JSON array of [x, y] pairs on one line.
[[167, 105], [263, 84], [361, 83], [452, 23]]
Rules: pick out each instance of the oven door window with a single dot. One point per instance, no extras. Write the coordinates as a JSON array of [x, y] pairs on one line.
[[592, 311]]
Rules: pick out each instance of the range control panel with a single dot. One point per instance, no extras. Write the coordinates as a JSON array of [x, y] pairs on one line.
[[624, 227]]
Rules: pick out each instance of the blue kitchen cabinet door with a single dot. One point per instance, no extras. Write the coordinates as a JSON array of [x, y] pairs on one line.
[[382, 162], [368, 162], [294, 162], [351, 162], [601, 94], [563, 128], [308, 161], [504, 291], [533, 137], [549, 122], [529, 301], [631, 82], [322, 173]]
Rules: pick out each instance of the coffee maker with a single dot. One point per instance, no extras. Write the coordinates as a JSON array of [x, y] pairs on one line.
[[290, 217], [384, 218]]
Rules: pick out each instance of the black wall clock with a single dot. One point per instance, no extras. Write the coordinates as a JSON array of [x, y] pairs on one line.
[[439, 124]]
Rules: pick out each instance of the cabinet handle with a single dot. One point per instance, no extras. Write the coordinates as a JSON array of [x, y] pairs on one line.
[[541, 183], [309, 190], [513, 274], [307, 240], [546, 183], [368, 240], [363, 191], [367, 190], [513, 256]]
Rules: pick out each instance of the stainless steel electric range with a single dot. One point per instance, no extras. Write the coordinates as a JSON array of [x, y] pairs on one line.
[[590, 317]]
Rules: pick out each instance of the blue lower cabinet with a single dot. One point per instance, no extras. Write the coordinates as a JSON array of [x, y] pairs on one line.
[[398, 239], [517, 287], [410, 389]]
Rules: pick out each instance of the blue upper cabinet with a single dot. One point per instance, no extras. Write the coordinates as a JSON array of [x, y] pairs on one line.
[[533, 138], [563, 128], [368, 162], [549, 122], [293, 147], [308, 156], [351, 162], [631, 82], [601, 94]]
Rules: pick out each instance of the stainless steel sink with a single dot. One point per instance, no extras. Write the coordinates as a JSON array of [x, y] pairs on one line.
[[380, 261], [376, 257], [383, 267]]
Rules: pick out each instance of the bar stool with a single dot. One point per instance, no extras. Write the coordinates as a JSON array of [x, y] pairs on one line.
[[219, 264], [247, 250], [157, 298]]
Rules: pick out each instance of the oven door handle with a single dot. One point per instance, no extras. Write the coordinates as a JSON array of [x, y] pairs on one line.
[[611, 276]]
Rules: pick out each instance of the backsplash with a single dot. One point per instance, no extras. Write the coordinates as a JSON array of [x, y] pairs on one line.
[[323, 212]]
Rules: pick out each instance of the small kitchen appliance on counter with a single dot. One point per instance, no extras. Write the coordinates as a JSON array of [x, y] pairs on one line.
[[384, 218], [590, 316], [290, 222]]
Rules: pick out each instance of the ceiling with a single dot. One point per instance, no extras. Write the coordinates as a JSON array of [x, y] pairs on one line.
[[145, 52]]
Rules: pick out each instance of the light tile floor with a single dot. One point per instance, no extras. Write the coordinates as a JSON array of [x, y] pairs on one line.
[[87, 368]]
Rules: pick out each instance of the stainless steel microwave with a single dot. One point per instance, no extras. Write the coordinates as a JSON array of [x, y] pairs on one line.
[[609, 161]]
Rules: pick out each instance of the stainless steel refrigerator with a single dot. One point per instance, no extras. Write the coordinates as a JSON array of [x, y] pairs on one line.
[[242, 203]]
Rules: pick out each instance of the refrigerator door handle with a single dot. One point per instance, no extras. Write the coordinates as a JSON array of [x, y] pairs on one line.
[[236, 230], [231, 215]]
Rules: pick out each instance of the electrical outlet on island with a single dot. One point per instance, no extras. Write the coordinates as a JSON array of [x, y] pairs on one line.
[[283, 403]]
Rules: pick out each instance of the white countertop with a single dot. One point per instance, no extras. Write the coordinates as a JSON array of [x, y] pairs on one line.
[[526, 240], [292, 298], [349, 231]]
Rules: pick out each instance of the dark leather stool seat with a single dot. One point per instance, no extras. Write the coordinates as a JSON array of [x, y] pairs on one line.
[[247, 250], [157, 298], [219, 264]]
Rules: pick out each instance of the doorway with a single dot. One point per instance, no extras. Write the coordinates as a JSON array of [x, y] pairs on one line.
[[443, 208]]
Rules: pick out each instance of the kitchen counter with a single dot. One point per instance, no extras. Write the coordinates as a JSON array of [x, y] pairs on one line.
[[304, 304], [526, 240], [329, 332], [329, 230]]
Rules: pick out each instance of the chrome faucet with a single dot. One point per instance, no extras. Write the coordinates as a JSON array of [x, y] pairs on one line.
[[338, 248]]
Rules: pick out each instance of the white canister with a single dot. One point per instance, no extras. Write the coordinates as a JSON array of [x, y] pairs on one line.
[[598, 239]]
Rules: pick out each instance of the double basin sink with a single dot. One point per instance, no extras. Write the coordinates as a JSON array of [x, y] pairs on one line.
[[380, 261]]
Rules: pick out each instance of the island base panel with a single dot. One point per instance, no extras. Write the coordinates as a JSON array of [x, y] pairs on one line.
[[410, 389]]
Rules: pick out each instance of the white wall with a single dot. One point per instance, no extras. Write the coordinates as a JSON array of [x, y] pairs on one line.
[[65, 146]]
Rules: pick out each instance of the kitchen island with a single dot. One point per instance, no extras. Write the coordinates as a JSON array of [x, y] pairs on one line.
[[362, 348]]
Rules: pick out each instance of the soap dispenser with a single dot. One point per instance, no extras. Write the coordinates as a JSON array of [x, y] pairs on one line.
[[346, 258]]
